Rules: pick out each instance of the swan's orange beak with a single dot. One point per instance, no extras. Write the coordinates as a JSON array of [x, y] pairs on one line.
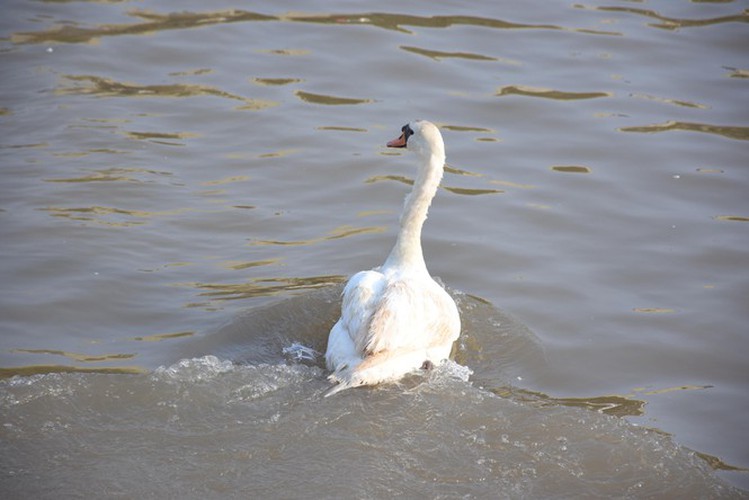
[[400, 142]]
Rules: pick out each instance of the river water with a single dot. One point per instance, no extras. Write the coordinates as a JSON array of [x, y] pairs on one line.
[[185, 186]]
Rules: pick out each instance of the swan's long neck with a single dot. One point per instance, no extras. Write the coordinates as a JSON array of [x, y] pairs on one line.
[[407, 251]]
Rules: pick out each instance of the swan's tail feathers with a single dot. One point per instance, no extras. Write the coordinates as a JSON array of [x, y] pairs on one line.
[[341, 386], [344, 378], [376, 369]]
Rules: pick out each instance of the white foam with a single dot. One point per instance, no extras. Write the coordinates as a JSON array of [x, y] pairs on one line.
[[451, 369], [299, 353], [196, 369]]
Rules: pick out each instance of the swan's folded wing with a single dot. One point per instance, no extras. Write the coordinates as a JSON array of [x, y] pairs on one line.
[[444, 319], [412, 317], [360, 298], [396, 319]]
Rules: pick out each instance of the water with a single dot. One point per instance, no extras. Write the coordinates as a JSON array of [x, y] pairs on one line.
[[185, 187]]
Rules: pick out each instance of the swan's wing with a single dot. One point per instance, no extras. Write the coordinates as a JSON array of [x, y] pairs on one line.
[[392, 319], [416, 315], [444, 325], [360, 298], [341, 351]]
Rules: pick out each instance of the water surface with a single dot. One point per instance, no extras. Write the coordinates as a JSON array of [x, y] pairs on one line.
[[185, 187]]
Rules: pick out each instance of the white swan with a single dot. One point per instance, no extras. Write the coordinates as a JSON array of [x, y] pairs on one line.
[[396, 318]]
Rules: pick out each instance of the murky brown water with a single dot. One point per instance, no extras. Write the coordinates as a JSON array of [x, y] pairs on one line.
[[184, 187]]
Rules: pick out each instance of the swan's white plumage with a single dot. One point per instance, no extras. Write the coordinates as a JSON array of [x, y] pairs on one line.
[[396, 317]]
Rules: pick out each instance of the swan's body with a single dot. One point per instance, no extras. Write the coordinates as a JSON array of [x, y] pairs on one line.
[[396, 318]]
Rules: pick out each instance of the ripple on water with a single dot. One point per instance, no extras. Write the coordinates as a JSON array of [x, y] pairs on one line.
[[731, 132], [549, 93], [328, 100], [111, 216], [106, 87]]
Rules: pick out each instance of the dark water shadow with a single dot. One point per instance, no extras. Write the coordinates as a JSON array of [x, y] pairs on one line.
[[496, 347]]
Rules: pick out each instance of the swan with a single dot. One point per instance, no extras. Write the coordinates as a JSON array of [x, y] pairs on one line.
[[396, 318]]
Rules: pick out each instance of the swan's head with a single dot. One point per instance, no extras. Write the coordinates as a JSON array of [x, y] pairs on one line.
[[422, 137]]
